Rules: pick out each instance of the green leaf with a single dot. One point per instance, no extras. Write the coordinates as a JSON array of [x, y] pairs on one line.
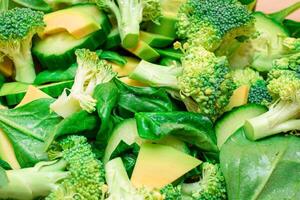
[[36, 4], [28, 128], [264, 169], [192, 128], [3, 177], [293, 27], [4, 165], [53, 76], [112, 56], [2, 78]]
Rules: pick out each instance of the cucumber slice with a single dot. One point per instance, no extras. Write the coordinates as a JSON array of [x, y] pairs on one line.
[[13, 93], [113, 39], [127, 132], [57, 51], [231, 121]]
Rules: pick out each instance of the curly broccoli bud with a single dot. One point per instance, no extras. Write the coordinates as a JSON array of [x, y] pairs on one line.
[[214, 23], [210, 186], [171, 192], [245, 76], [86, 180], [74, 174], [91, 71], [129, 15], [17, 27], [284, 86], [203, 77], [259, 93]]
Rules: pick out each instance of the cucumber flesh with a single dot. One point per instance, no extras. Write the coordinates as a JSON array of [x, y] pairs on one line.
[[231, 121], [128, 133]]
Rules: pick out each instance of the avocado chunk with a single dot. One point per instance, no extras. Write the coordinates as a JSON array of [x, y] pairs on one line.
[[79, 21], [7, 152], [144, 52], [6, 67], [156, 40], [127, 68], [33, 93], [159, 165], [239, 97], [166, 27]]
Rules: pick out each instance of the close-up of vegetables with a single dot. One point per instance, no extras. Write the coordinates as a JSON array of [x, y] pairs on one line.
[[149, 100]]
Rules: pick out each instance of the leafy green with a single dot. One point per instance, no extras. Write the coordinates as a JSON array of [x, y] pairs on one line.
[[293, 27], [112, 56], [36, 4], [3, 177], [28, 128], [4, 164], [191, 128], [2, 80], [265, 169]]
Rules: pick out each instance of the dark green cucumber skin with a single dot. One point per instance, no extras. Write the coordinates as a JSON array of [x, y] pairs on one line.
[[113, 40], [53, 90], [92, 42]]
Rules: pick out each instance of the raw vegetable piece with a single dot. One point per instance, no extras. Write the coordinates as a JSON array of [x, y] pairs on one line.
[[28, 134], [170, 8], [170, 53], [127, 68], [6, 67], [2, 80], [113, 39], [14, 92], [231, 121], [156, 40], [36, 4], [7, 152], [79, 21], [4, 4], [166, 27], [91, 71], [239, 97], [17, 27], [112, 56], [265, 169], [191, 128], [32, 94], [129, 15], [293, 27], [155, 166], [144, 51], [131, 82]]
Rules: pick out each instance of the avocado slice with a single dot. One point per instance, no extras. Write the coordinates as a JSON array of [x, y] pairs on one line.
[[159, 165], [144, 52], [166, 27], [156, 40]]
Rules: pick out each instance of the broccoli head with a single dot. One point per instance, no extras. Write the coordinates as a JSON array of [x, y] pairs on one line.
[[203, 77], [245, 76], [91, 71], [210, 186], [129, 15], [214, 23], [17, 27], [283, 115], [75, 173], [259, 93]]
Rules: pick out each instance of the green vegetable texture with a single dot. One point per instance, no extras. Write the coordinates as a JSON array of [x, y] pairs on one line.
[[17, 27]]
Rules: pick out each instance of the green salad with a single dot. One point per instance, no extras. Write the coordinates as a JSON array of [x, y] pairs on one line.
[[148, 100]]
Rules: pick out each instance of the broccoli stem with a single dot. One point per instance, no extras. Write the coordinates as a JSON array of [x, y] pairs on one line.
[[282, 14], [280, 118], [4, 5], [24, 66]]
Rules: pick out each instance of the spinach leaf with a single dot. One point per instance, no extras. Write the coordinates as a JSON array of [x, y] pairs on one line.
[[4, 165], [36, 4], [293, 27], [53, 76], [28, 128], [112, 56], [144, 99], [3, 177], [2, 80], [192, 128], [265, 169]]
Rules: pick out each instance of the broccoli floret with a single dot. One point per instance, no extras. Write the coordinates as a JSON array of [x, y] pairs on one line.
[[203, 77], [17, 27], [259, 93], [74, 174], [171, 192], [210, 186], [245, 76], [284, 86], [91, 71], [129, 15], [214, 23]]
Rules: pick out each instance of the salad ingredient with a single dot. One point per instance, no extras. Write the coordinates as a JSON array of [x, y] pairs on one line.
[[7, 152], [210, 186], [32, 94], [91, 71], [17, 27], [170, 53], [155, 40], [113, 39], [6, 67], [239, 97], [35, 5], [204, 23], [144, 51], [28, 135], [129, 15], [258, 170], [76, 173], [58, 51], [293, 27], [166, 26], [231, 121], [203, 77], [245, 76], [13, 93], [4, 5], [192, 128], [154, 167], [131, 82], [63, 20], [259, 93], [125, 70]]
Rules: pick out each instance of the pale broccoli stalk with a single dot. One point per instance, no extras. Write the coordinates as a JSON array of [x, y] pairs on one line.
[[4, 5], [129, 15], [17, 27], [210, 186], [74, 174], [203, 77], [283, 116], [91, 71]]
